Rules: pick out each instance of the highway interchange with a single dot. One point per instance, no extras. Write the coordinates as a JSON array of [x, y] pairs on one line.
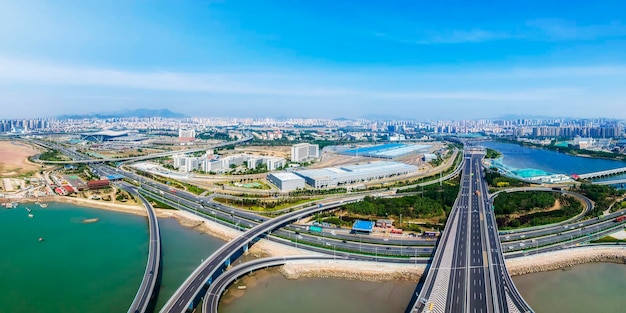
[[479, 223]]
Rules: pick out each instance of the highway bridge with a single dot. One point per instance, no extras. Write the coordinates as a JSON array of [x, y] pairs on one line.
[[215, 290], [189, 293], [610, 182], [468, 273], [603, 173], [146, 293]]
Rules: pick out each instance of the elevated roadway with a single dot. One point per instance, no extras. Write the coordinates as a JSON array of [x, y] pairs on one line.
[[603, 173], [546, 229], [468, 273], [146, 292], [189, 293], [215, 290]]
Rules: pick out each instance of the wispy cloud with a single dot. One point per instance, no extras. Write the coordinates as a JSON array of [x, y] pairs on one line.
[[533, 30], [27, 72], [557, 29], [450, 37]]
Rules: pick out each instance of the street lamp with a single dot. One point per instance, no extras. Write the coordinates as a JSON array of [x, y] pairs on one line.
[[360, 243]]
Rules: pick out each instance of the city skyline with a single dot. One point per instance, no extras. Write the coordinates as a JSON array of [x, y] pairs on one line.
[[326, 60]]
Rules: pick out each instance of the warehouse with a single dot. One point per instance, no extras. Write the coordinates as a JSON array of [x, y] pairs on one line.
[[350, 174], [286, 181]]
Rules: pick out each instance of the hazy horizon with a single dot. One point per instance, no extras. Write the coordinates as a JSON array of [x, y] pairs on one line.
[[325, 59]]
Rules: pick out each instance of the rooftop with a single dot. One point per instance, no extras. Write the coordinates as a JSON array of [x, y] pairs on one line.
[[286, 176]]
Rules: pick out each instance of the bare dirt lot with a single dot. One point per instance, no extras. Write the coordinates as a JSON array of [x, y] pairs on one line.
[[14, 158], [277, 151]]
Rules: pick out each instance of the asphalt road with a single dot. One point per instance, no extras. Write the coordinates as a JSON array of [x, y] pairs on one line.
[[150, 276]]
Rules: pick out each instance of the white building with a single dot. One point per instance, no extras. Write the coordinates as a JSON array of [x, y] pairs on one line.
[[186, 133], [304, 151], [251, 161], [350, 174], [286, 181]]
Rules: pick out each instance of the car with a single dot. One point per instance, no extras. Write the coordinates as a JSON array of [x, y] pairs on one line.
[[344, 241], [299, 237]]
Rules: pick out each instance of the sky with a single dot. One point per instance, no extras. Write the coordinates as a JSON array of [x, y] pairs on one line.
[[407, 59]]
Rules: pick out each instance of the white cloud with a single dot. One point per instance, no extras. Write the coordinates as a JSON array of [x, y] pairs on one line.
[[271, 84], [557, 29]]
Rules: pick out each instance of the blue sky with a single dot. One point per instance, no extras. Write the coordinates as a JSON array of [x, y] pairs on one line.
[[411, 59]]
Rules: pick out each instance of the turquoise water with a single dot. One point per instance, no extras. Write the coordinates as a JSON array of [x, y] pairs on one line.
[[530, 172], [81, 267]]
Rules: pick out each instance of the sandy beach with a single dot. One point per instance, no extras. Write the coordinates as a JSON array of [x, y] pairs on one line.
[[359, 270]]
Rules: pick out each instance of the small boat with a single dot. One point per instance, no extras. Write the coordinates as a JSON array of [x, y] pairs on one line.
[[43, 205], [27, 209], [40, 239], [91, 220], [30, 215]]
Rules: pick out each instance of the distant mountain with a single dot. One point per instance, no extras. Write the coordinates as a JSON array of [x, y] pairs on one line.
[[342, 119], [508, 117], [165, 113]]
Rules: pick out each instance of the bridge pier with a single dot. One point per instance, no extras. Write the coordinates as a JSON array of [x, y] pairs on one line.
[[227, 263], [245, 249]]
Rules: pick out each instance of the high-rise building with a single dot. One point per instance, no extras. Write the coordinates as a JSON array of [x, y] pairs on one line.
[[186, 134], [304, 151]]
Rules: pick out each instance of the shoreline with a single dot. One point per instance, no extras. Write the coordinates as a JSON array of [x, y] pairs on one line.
[[361, 270]]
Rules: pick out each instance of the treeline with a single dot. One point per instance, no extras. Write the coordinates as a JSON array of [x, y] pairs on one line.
[[314, 192], [51, 155], [570, 207], [509, 203], [267, 204], [411, 206], [492, 154], [494, 179]]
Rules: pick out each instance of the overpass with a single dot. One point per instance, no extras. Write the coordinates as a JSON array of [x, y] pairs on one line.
[[610, 182], [146, 291], [215, 290], [468, 273], [603, 173], [589, 205], [189, 293]]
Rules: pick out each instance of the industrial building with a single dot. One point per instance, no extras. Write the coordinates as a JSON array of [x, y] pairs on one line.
[[286, 181], [350, 174], [304, 151], [362, 227], [387, 151]]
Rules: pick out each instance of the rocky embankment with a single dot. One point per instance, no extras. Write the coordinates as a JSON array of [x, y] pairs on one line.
[[564, 259], [353, 270]]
